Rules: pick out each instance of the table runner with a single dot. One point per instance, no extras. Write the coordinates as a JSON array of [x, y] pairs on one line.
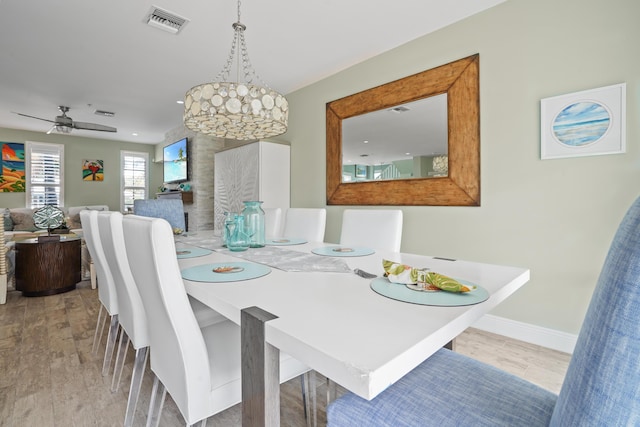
[[208, 239], [273, 256], [290, 260]]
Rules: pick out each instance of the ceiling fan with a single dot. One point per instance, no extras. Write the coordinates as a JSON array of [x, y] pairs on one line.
[[64, 123]]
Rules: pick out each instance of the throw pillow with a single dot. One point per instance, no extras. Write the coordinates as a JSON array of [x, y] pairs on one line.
[[23, 222], [74, 222], [8, 224]]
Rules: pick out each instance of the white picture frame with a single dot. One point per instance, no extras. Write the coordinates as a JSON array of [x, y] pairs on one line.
[[586, 123]]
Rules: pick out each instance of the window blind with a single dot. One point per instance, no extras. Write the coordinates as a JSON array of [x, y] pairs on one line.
[[46, 182], [134, 180]]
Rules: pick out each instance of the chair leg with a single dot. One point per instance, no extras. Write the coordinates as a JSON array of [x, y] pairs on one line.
[[92, 275], [111, 343], [157, 402], [309, 397], [120, 356], [97, 336], [136, 384]]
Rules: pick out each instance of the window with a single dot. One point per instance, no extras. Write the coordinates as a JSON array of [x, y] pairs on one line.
[[134, 182], [45, 174]]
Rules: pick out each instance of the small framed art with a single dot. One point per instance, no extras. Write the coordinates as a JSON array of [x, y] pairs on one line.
[[93, 170], [587, 123]]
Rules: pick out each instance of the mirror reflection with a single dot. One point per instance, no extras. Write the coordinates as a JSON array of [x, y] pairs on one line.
[[402, 142], [459, 80]]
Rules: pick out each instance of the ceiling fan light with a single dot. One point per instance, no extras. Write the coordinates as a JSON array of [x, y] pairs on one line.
[[63, 129]]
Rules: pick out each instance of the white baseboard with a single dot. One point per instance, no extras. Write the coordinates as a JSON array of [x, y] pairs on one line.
[[526, 332]]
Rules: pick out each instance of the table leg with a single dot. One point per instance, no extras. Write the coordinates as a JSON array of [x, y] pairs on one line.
[[451, 345], [260, 371]]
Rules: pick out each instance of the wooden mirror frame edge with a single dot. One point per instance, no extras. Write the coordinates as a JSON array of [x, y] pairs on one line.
[[460, 80]]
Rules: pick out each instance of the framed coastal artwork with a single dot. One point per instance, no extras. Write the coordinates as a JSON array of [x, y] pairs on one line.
[[587, 123], [13, 178], [93, 170]]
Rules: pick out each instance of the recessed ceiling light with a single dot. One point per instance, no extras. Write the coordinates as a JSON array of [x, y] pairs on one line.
[[366, 142], [180, 102], [135, 134], [407, 154]]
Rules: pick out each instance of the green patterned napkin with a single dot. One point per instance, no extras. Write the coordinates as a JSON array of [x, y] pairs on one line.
[[407, 275]]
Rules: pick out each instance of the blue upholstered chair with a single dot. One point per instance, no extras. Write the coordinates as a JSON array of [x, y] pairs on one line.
[[601, 387], [171, 210]]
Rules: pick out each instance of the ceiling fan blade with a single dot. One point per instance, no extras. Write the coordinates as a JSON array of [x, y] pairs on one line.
[[51, 130], [93, 126], [33, 117]]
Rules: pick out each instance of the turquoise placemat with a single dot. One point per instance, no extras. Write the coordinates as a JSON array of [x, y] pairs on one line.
[[285, 241], [191, 252], [401, 292], [344, 251], [226, 272]]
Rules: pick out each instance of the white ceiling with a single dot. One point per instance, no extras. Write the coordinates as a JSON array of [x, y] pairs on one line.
[[90, 55]]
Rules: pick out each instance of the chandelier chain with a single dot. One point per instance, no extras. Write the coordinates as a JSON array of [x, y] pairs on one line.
[[239, 47]]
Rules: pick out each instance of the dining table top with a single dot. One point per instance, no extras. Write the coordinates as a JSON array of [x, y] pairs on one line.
[[330, 318]]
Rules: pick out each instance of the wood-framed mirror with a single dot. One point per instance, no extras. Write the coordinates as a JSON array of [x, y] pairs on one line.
[[459, 80]]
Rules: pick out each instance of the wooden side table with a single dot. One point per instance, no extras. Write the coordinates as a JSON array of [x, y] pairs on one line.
[[47, 268]]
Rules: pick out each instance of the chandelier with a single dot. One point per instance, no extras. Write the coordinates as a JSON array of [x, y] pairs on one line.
[[241, 110]]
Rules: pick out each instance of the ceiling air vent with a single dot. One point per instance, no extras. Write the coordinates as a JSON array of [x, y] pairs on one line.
[[165, 20]]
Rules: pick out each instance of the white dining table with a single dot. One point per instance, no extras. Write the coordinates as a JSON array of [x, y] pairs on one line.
[[338, 326]]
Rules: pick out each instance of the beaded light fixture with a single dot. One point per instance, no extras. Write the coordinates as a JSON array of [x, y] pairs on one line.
[[241, 110]]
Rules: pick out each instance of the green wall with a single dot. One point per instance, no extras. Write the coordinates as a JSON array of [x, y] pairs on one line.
[[76, 191], [556, 217]]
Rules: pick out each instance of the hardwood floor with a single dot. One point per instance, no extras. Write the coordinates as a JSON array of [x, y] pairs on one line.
[[48, 376]]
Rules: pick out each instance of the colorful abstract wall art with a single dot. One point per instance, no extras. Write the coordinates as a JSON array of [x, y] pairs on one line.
[[92, 170], [13, 178]]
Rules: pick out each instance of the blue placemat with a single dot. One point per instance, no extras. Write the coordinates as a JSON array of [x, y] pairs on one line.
[[401, 292], [227, 272], [191, 252], [285, 241], [344, 251]]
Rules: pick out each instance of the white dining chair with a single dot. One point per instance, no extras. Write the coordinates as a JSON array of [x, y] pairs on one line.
[[305, 223], [200, 368], [372, 228], [272, 222], [106, 288], [132, 316]]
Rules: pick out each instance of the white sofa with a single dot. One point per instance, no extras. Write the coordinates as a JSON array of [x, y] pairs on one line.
[[21, 225]]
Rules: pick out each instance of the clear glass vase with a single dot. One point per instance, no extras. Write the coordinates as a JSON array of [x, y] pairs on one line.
[[238, 240], [229, 218], [254, 223]]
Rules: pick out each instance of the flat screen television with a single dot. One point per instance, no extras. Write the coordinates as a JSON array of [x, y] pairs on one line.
[[176, 161]]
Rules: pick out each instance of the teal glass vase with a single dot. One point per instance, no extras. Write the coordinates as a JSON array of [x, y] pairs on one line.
[[229, 218], [238, 240], [254, 223]]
